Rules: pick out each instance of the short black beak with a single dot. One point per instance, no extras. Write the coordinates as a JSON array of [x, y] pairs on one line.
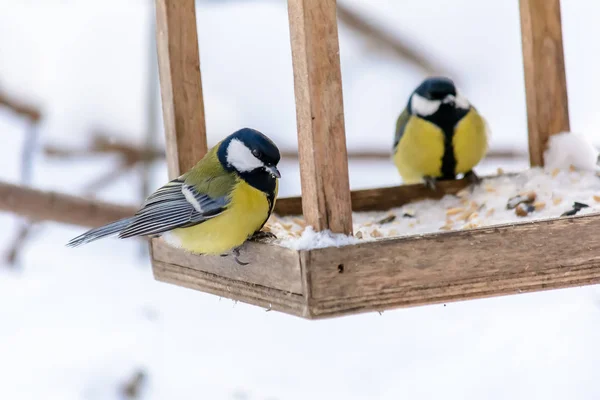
[[273, 170]]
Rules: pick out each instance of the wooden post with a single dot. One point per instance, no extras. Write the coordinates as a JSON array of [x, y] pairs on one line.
[[545, 81], [320, 115], [180, 84]]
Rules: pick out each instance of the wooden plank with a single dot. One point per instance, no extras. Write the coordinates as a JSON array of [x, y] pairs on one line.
[[320, 115], [180, 84], [381, 199], [451, 266], [268, 298], [269, 265], [545, 80]]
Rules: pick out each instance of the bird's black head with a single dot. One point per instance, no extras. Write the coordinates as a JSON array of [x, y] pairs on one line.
[[436, 88], [253, 156], [437, 97]]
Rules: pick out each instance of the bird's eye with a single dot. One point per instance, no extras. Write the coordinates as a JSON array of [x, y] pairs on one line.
[[256, 153]]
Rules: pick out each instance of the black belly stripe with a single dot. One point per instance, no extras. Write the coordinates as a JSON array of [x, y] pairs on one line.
[[449, 158]]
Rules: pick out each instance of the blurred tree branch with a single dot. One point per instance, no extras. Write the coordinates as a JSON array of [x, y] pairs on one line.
[[33, 115], [385, 40], [41, 205]]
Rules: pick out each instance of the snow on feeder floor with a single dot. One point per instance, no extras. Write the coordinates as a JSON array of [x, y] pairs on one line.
[[535, 194]]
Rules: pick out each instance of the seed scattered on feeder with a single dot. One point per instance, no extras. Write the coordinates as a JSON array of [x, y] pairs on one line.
[[408, 214], [572, 168], [521, 198], [555, 172], [576, 207], [490, 212], [523, 209], [454, 211], [387, 220], [358, 235], [393, 232], [463, 193], [490, 189], [539, 205], [446, 227], [375, 233], [299, 221], [597, 198], [471, 225], [500, 171], [557, 200]]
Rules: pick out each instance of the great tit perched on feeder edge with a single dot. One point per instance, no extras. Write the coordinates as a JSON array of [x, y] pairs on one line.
[[225, 199], [439, 135]]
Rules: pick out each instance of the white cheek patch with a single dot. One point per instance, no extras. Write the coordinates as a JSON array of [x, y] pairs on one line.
[[424, 107], [241, 158]]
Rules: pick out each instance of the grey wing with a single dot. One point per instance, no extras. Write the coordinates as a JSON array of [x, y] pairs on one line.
[[175, 205], [400, 126]]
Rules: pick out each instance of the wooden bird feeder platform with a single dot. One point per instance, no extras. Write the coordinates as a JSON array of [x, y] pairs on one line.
[[387, 273]]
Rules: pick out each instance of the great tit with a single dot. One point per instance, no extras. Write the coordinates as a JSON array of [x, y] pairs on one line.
[[439, 135], [213, 208]]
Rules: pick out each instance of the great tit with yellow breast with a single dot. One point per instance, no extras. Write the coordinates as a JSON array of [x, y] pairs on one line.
[[225, 199], [439, 135]]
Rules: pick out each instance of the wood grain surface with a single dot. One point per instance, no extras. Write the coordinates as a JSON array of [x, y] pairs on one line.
[[545, 78], [269, 266], [180, 84], [320, 115], [268, 298], [451, 266]]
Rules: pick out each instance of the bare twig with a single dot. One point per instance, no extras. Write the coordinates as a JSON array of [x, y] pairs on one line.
[[386, 40], [50, 206], [132, 388], [28, 150], [29, 111], [14, 249]]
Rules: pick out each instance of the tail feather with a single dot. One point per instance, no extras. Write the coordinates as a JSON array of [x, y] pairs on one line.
[[100, 232]]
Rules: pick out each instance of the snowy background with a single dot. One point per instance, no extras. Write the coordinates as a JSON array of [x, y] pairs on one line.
[[78, 323]]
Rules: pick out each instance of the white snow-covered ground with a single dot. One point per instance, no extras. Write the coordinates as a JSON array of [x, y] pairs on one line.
[[77, 323]]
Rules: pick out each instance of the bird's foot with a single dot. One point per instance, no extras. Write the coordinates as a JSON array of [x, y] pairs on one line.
[[472, 177], [430, 182], [236, 254], [262, 235]]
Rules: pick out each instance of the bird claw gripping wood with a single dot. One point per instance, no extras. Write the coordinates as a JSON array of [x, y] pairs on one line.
[[262, 236], [236, 254], [472, 177], [430, 182]]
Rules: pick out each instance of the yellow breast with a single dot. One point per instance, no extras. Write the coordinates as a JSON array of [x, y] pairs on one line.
[[470, 141], [419, 151], [248, 210]]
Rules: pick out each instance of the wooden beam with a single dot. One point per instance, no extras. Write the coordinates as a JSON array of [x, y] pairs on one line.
[[269, 266], [399, 272], [50, 206], [180, 84], [320, 115], [459, 265], [545, 80], [382, 199]]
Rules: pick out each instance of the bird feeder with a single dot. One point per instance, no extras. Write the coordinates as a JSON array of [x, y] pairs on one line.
[[390, 272]]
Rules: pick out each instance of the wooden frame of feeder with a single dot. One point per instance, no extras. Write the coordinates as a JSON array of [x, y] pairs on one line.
[[387, 273]]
